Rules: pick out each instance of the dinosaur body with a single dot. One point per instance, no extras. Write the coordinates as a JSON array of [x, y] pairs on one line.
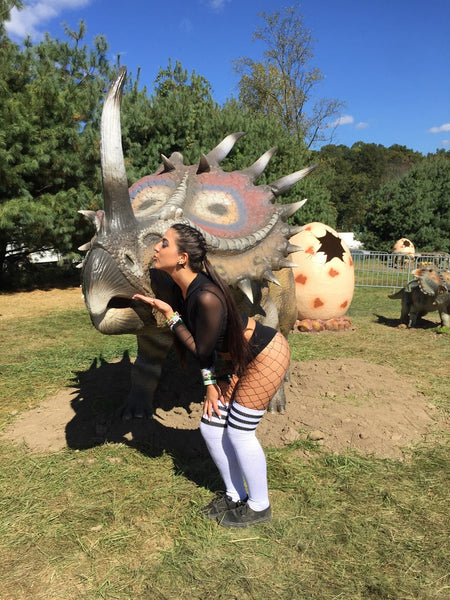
[[246, 233], [430, 291]]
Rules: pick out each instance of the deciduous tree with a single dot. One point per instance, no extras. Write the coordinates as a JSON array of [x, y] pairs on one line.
[[283, 83]]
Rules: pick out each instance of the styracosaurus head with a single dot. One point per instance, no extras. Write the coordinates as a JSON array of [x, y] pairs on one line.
[[246, 231]]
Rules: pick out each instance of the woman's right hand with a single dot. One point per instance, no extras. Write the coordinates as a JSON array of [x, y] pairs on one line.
[[160, 305]]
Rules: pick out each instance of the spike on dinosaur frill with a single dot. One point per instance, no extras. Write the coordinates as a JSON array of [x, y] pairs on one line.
[[269, 276], [203, 165], [221, 151], [287, 210], [290, 248], [280, 186], [295, 229], [257, 168], [176, 158], [95, 216], [89, 214], [284, 264], [85, 247], [245, 286], [168, 164]]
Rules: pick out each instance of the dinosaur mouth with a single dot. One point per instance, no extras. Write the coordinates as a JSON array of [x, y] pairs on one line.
[[108, 296], [119, 302]]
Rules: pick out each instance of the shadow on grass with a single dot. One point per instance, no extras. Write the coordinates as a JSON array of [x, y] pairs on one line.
[[98, 405], [421, 323]]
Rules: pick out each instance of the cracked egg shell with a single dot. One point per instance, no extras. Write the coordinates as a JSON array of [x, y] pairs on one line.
[[404, 246], [324, 277]]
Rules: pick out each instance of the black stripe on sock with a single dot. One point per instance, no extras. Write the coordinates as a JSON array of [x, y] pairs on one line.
[[213, 423]]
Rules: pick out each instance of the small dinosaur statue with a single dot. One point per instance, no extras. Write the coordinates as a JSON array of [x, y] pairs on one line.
[[429, 291], [246, 232]]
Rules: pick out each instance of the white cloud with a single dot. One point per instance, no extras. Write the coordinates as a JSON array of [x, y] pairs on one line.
[[444, 127], [217, 4], [344, 120], [33, 17], [362, 125], [445, 143]]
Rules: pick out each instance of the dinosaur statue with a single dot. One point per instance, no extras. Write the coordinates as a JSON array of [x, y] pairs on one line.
[[246, 233], [430, 291]]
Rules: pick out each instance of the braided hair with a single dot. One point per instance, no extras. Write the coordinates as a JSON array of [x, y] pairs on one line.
[[192, 242]]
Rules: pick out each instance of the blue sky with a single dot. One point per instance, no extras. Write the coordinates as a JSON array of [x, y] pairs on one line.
[[388, 60]]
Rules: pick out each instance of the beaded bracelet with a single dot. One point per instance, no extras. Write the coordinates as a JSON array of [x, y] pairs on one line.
[[173, 320], [209, 376]]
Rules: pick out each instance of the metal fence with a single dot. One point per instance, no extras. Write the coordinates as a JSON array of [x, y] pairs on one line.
[[381, 269]]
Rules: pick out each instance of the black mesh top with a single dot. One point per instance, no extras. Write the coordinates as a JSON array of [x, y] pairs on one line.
[[204, 327], [204, 314]]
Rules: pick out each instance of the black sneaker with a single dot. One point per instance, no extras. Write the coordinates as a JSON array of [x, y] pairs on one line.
[[244, 516], [219, 506]]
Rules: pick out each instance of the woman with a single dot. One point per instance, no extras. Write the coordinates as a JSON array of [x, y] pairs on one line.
[[210, 326]]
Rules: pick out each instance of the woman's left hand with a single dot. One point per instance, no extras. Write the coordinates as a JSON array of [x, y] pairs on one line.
[[211, 403]]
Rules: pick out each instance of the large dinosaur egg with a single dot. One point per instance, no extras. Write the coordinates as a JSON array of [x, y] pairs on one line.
[[404, 246], [324, 276]]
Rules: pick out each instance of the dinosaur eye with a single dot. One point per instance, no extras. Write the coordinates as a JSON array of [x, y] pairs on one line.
[[218, 207]]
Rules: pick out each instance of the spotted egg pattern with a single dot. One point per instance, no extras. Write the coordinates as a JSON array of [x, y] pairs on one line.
[[324, 275], [404, 246]]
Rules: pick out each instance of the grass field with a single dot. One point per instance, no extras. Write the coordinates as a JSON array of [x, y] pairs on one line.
[[122, 522]]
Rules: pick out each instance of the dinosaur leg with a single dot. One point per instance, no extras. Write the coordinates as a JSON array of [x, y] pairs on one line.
[[445, 318], [145, 375]]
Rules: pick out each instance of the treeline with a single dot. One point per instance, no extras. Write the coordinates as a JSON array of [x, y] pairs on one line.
[[383, 194], [51, 95]]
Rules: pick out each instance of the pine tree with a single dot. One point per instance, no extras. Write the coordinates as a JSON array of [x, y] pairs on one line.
[[51, 94]]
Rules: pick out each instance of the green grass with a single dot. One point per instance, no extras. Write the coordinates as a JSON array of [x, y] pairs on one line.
[[122, 522], [45, 353]]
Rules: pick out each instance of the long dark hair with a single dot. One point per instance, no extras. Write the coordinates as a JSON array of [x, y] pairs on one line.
[[192, 242]]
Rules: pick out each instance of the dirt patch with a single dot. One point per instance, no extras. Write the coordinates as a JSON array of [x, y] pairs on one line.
[[39, 302], [341, 403]]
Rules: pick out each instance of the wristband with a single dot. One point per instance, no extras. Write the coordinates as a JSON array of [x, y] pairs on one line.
[[173, 320], [209, 376]]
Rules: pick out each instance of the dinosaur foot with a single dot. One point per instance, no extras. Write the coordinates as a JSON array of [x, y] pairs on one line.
[[313, 325], [133, 410]]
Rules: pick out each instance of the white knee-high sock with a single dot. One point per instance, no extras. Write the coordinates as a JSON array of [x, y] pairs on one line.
[[215, 434], [241, 426]]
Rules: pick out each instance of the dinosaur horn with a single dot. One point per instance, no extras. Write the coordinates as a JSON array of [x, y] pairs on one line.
[[168, 164], [282, 185], [118, 212], [290, 248], [285, 263], [294, 229], [255, 170], [245, 286], [216, 156], [269, 276], [173, 208], [287, 210], [176, 158], [203, 165], [95, 216]]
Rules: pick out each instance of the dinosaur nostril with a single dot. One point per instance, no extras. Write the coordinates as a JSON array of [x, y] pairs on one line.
[[129, 261]]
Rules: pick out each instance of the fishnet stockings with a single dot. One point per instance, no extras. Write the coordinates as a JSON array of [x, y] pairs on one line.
[[262, 377]]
